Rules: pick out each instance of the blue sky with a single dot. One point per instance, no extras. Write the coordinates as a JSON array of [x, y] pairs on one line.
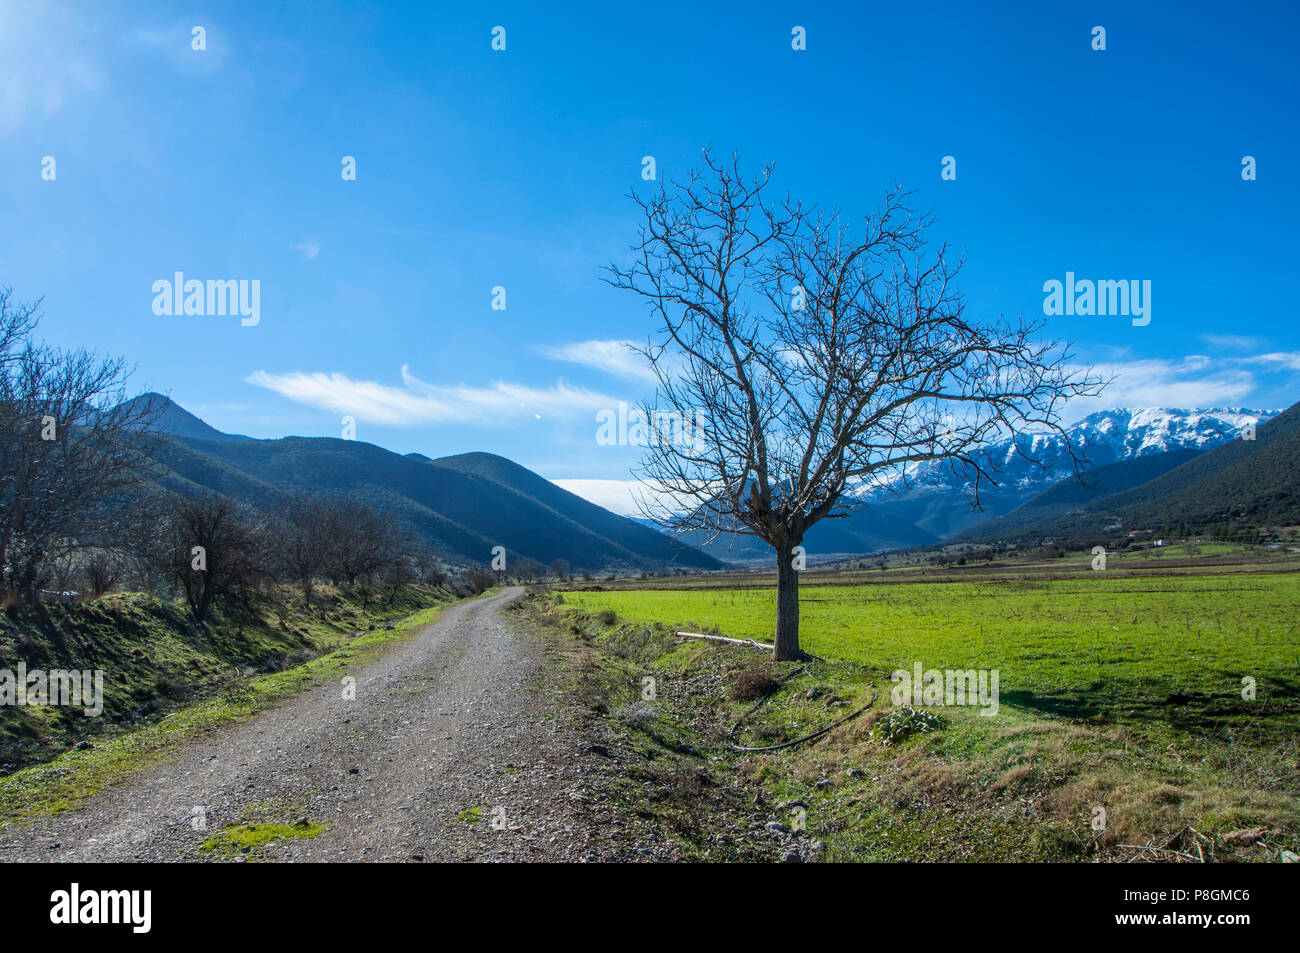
[[478, 168]]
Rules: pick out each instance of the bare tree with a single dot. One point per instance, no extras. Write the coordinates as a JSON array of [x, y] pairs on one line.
[[800, 359], [101, 571], [523, 569], [302, 542], [363, 543], [213, 549], [479, 580], [71, 447], [431, 572], [559, 568], [17, 320]]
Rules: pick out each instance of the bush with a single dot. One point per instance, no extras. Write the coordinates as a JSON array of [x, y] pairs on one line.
[[757, 681], [637, 715], [294, 659], [903, 722]]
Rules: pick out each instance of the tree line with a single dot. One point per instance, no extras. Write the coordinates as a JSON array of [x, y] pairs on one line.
[[80, 508]]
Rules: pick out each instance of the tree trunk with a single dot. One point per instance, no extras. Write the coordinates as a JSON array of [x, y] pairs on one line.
[[787, 608], [204, 603]]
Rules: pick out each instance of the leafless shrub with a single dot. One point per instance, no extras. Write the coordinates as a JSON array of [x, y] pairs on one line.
[[212, 548], [638, 714], [756, 681]]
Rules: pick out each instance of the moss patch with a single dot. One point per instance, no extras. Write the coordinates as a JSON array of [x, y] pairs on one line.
[[252, 837]]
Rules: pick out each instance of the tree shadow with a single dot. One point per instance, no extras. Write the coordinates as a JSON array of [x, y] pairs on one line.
[[1278, 701]]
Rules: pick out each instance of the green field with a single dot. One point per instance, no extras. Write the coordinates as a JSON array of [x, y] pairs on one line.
[[1120, 690], [1104, 643]]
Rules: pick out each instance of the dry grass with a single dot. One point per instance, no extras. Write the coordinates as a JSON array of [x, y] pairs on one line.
[[754, 682]]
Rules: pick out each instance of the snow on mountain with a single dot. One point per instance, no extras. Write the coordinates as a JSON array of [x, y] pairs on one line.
[[1105, 437], [1138, 433]]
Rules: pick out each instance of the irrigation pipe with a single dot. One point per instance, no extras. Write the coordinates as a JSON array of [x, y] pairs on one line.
[[763, 701], [720, 638]]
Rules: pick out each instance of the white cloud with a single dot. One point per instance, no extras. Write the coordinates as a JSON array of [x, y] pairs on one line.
[[617, 496], [1192, 381], [1235, 342], [418, 402], [1285, 360], [309, 247], [611, 356], [1195, 380]]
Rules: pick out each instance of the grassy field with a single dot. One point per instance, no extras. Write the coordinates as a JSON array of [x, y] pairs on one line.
[[1107, 644], [1121, 696]]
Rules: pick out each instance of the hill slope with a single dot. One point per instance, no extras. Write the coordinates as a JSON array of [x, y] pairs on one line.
[[462, 506], [1072, 494], [627, 534], [1243, 484], [867, 528], [936, 497], [175, 421]]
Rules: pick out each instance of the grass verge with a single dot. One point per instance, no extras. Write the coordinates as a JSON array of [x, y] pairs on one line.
[[1028, 785], [77, 774]]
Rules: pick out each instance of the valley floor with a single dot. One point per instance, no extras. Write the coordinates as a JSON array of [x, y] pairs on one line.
[[577, 726], [1146, 713]]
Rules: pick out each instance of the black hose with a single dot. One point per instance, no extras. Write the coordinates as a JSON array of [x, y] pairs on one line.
[[816, 734]]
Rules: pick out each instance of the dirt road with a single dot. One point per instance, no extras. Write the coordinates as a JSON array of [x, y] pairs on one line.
[[448, 733]]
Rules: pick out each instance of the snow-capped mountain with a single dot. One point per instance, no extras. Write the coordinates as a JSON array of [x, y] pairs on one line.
[[1032, 462], [937, 500], [1139, 433], [934, 503]]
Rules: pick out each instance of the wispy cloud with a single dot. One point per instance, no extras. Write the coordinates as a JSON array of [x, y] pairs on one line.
[[44, 49], [1281, 360], [1191, 381], [418, 402], [309, 248], [617, 496], [1233, 342], [624, 497], [611, 356]]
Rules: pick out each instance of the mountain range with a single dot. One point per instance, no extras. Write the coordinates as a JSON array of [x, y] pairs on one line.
[[927, 504], [1157, 466], [461, 505], [1236, 486], [1027, 464]]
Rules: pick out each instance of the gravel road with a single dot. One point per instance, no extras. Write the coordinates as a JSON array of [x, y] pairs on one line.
[[458, 718]]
